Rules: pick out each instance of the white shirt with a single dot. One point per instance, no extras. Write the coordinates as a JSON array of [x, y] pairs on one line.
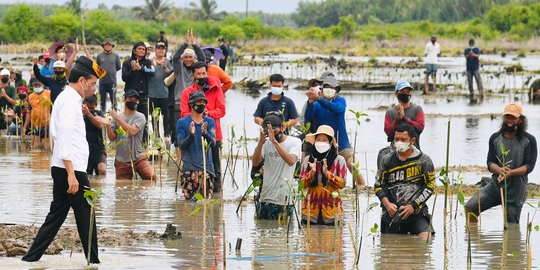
[[432, 51], [278, 175], [68, 131]]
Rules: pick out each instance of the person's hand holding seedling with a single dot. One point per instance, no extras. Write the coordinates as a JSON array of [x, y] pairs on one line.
[[505, 172], [390, 207]]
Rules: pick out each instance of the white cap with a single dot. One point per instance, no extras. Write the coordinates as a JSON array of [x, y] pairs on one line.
[[59, 64], [5, 72]]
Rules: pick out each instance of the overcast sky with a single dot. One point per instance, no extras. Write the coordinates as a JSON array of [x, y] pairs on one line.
[[272, 6]]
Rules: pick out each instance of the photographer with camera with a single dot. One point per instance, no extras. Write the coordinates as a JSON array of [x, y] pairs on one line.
[[280, 153]]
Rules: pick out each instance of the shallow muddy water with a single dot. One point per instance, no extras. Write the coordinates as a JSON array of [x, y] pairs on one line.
[[26, 189]]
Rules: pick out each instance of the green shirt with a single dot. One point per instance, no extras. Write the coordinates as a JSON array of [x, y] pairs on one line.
[[10, 91]]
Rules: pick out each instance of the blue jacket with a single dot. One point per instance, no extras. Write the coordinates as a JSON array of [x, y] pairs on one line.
[[56, 86], [332, 113], [191, 145]]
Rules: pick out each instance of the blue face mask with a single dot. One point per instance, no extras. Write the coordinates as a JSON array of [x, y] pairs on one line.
[[276, 91]]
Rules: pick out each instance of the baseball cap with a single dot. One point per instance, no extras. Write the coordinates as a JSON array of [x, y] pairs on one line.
[[330, 80], [161, 44], [59, 64], [22, 89], [5, 72], [131, 93], [402, 84], [196, 96], [107, 41], [273, 118], [513, 109]]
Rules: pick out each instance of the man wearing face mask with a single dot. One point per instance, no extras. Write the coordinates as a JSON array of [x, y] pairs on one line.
[[215, 109], [404, 112], [126, 130], [405, 181], [276, 101], [68, 163], [57, 82], [7, 95], [280, 154], [17, 115], [326, 107], [192, 129], [522, 156], [39, 109]]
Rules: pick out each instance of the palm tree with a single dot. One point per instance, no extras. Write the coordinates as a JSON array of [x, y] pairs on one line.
[[154, 10], [207, 10], [75, 5]]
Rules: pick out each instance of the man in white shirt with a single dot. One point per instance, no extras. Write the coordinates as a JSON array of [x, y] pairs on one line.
[[280, 153], [69, 162], [432, 53]]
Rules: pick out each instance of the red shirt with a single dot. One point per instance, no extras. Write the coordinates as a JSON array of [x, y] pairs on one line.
[[215, 106]]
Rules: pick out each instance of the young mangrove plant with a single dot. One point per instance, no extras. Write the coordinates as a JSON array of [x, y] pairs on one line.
[[204, 204], [358, 115], [91, 195], [503, 190], [364, 213], [529, 230]]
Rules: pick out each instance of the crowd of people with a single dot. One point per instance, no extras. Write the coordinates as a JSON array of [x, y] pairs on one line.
[[189, 89]]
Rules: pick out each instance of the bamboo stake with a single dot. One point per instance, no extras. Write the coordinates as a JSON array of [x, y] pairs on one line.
[[224, 247], [204, 167]]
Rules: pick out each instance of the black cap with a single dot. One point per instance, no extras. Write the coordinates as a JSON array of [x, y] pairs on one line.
[[196, 96], [273, 118], [131, 93]]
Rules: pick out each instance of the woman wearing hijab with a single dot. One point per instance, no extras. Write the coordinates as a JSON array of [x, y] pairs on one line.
[[323, 173]]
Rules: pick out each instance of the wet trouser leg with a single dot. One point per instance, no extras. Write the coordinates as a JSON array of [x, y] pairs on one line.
[[478, 79], [216, 158], [59, 209]]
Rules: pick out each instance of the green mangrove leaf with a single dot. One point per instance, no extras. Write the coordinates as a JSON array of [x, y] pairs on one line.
[[537, 228], [196, 210], [461, 197], [199, 197]]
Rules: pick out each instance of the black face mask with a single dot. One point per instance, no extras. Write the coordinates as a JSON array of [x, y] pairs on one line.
[[59, 73], [404, 97], [5, 80], [131, 105], [279, 136], [507, 128], [199, 108], [22, 96], [202, 81]]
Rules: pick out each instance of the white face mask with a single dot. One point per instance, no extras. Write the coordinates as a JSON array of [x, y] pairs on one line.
[[276, 91], [402, 146], [38, 90], [329, 92], [322, 147]]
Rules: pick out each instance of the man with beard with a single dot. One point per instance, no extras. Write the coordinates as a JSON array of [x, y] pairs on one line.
[[521, 157], [56, 82]]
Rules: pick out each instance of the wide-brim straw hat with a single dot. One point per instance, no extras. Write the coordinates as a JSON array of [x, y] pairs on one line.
[[323, 129]]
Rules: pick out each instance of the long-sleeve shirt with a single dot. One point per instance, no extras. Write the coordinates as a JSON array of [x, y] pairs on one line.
[[68, 131], [137, 80], [331, 113], [191, 145], [55, 86], [414, 116], [215, 106], [320, 197], [216, 71], [523, 152], [410, 181], [183, 74]]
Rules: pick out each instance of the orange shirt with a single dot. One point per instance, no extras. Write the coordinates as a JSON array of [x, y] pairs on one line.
[[216, 71], [40, 108]]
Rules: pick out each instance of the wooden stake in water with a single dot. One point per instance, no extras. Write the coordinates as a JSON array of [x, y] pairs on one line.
[[204, 167], [224, 247]]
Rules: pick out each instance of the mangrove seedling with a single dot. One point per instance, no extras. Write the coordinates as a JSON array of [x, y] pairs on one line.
[[203, 204], [358, 115], [91, 195], [364, 213], [504, 164]]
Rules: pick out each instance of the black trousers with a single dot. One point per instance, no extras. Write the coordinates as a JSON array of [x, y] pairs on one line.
[[163, 105], [59, 209], [174, 115]]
